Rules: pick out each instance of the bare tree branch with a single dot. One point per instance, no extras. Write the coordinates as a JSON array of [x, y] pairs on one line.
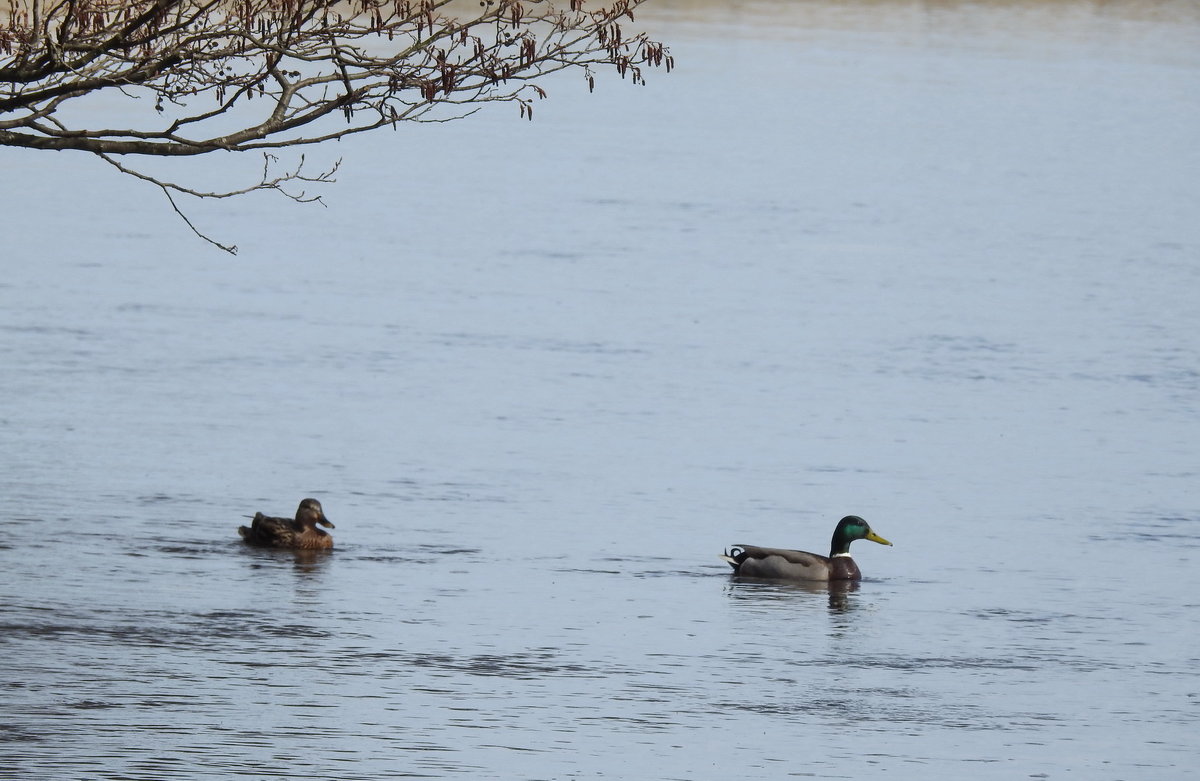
[[199, 76], [268, 181], [230, 248]]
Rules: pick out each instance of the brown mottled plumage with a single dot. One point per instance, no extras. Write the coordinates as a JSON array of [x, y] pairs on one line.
[[779, 564], [288, 533]]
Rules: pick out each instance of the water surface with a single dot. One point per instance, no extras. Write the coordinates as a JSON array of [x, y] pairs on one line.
[[931, 263]]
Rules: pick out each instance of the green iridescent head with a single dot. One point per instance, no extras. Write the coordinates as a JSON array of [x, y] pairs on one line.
[[848, 530]]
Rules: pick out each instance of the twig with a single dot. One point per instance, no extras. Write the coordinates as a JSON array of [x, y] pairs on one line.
[[230, 248]]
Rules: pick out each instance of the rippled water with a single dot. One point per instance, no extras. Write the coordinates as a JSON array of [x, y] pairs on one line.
[[934, 264]]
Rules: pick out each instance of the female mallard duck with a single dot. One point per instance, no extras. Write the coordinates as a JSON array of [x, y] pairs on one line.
[[776, 563], [287, 533]]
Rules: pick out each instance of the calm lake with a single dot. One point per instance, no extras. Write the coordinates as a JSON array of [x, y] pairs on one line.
[[932, 263]]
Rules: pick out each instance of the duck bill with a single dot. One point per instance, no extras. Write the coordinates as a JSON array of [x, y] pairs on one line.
[[873, 537], [326, 522]]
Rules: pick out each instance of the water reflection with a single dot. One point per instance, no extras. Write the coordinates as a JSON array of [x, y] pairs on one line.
[[310, 562], [766, 592], [305, 562]]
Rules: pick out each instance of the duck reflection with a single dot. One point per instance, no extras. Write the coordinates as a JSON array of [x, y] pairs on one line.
[[764, 592], [305, 562], [309, 562]]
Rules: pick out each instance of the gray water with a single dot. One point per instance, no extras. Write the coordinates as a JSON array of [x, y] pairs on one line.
[[933, 264]]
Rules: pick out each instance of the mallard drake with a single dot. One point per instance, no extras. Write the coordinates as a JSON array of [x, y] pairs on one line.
[[780, 564], [288, 533]]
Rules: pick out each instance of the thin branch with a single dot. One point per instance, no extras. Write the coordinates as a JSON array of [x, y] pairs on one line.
[[230, 248], [267, 182]]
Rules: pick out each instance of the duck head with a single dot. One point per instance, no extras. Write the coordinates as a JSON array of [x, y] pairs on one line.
[[848, 530], [310, 513]]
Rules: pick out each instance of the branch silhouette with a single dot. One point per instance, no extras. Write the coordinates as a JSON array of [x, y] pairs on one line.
[[200, 76]]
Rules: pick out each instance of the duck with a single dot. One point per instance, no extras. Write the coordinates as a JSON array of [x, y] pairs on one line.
[[781, 564], [302, 532]]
